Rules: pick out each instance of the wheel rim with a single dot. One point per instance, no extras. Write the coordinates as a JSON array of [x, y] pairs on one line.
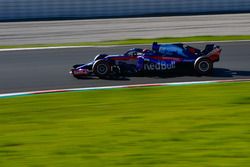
[[204, 66], [102, 69]]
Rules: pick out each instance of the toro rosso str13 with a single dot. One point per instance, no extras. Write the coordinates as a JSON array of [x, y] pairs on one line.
[[161, 58]]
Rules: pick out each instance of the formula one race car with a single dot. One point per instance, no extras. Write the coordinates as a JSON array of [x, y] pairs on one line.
[[161, 58]]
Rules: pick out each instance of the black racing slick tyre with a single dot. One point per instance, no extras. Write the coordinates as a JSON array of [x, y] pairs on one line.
[[203, 66], [101, 68]]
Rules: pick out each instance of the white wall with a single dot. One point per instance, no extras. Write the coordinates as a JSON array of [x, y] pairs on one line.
[[61, 9]]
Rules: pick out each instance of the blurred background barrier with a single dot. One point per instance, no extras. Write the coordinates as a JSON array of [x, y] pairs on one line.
[[75, 9]]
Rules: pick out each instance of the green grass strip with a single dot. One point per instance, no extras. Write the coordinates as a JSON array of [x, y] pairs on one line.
[[197, 125], [136, 41]]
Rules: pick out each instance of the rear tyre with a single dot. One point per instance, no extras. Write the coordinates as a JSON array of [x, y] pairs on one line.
[[101, 68], [203, 66]]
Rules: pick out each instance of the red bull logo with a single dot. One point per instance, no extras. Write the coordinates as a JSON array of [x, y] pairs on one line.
[[159, 66]]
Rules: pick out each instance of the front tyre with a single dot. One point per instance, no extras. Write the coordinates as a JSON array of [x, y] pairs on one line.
[[101, 68], [203, 66]]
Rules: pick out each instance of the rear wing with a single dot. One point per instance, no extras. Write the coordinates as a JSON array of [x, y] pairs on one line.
[[212, 52], [209, 48]]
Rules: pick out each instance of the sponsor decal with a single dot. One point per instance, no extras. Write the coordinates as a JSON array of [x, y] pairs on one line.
[[159, 66], [80, 72]]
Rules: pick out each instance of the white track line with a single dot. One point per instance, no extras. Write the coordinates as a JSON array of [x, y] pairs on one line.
[[109, 46], [121, 86]]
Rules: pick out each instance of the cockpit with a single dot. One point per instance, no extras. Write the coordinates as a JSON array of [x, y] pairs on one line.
[[134, 52]]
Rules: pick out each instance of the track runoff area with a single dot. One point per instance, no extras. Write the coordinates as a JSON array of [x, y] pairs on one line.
[[119, 87], [233, 67]]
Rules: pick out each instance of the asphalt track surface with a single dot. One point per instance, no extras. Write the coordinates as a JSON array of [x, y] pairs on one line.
[[45, 32], [33, 70]]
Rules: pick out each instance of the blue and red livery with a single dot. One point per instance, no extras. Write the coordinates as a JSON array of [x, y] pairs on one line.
[[161, 58]]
